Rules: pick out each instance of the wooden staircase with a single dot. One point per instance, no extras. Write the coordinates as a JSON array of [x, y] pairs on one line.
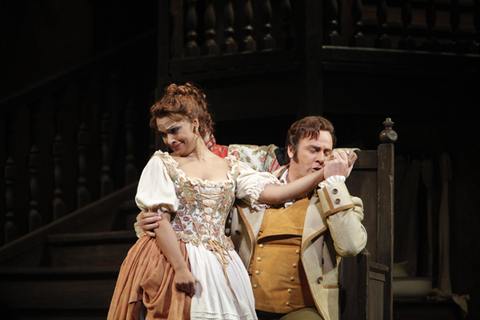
[[69, 274]]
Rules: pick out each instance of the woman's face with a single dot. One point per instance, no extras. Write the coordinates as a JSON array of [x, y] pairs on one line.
[[178, 135]]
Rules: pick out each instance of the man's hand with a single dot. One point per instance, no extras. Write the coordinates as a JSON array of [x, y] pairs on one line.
[[339, 163], [149, 221]]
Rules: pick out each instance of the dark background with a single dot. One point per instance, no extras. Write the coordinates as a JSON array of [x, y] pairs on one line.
[[432, 114]]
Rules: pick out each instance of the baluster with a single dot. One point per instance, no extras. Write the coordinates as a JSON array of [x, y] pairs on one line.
[[192, 49], [131, 174], [431, 19], [406, 42], [476, 24], [249, 43], [59, 208], [286, 16], [268, 41], [357, 39], [10, 228], [34, 217], [210, 47], [229, 45], [176, 34], [454, 24], [106, 181], [83, 195], [382, 40], [331, 16]]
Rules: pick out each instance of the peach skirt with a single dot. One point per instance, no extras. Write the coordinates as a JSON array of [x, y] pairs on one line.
[[147, 278]]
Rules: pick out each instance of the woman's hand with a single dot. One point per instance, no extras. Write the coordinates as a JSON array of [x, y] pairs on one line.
[[184, 281]]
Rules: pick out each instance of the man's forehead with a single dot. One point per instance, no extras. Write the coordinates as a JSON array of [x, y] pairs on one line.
[[322, 138]]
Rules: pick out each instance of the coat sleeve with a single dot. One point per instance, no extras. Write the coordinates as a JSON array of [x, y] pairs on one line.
[[343, 215]]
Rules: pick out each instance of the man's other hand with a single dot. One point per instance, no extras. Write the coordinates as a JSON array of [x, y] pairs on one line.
[[340, 163], [148, 222]]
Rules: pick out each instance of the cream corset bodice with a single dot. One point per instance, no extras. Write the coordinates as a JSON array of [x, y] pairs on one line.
[[202, 211]]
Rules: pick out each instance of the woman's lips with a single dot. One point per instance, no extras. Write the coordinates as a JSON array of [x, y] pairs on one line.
[[175, 147]]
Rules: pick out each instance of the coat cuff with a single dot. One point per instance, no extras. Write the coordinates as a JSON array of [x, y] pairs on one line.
[[335, 198]]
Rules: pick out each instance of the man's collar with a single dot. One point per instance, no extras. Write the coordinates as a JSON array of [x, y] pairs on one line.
[[283, 174]]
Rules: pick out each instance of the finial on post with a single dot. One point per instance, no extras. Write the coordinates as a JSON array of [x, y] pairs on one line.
[[388, 135]]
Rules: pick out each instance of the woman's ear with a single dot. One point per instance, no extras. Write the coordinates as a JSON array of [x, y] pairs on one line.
[[196, 125]]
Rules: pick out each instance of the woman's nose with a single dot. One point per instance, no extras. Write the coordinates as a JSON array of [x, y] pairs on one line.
[[169, 139]]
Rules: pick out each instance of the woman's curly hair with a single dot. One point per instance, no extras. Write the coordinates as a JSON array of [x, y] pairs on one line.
[[180, 102]]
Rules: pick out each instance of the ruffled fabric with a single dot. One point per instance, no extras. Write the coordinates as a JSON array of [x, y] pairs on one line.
[[147, 278], [250, 184], [331, 180], [155, 188]]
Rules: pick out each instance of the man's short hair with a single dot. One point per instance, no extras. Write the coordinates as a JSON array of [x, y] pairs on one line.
[[309, 127]]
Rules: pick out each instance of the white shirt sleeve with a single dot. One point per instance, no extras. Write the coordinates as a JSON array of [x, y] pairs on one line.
[[156, 190], [331, 180], [250, 184]]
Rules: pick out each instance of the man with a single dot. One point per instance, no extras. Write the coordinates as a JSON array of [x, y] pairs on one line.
[[292, 251]]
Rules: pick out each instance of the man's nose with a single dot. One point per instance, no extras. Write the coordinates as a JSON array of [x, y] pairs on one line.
[[320, 158]]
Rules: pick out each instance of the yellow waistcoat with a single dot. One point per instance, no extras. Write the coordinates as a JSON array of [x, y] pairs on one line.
[[278, 279]]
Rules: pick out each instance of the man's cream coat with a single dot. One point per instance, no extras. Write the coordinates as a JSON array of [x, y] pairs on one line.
[[332, 230]]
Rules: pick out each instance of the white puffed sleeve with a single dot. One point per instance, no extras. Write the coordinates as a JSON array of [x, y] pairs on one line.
[[250, 184], [155, 189]]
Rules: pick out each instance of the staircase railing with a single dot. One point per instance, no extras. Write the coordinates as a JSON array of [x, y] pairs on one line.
[[73, 138], [230, 35]]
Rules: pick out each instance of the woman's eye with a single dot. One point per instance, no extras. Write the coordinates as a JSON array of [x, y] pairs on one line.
[[174, 130]]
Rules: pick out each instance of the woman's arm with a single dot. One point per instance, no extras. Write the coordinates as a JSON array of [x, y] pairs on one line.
[[278, 194], [167, 241]]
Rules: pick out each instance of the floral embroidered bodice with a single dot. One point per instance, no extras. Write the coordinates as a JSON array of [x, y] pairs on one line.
[[203, 206]]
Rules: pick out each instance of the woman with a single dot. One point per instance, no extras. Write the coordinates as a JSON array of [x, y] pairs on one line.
[[190, 269]]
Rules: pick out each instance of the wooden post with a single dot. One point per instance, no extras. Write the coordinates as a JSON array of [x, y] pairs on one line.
[[210, 47], [229, 44], [385, 211], [406, 42], [34, 217]]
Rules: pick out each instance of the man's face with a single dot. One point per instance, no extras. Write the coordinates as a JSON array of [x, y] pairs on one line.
[[311, 155]]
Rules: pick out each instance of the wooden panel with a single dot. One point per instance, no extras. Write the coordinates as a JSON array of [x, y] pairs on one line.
[[353, 280]]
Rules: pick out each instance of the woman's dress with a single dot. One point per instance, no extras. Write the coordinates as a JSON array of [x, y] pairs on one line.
[[199, 209]]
